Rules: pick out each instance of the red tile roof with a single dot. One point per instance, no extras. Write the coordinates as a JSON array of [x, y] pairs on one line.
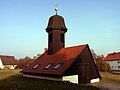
[[113, 56], [66, 56], [8, 60]]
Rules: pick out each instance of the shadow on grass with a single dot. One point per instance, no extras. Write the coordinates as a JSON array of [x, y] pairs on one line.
[[18, 82]]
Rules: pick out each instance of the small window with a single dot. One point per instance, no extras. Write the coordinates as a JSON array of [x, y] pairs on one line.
[[57, 66], [50, 37], [118, 61], [62, 37], [48, 66], [118, 67], [36, 66], [111, 66]]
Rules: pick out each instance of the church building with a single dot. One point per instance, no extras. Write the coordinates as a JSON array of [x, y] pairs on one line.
[[60, 63]]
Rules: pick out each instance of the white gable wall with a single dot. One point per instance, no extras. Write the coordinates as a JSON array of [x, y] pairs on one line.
[[114, 64], [1, 64], [74, 79]]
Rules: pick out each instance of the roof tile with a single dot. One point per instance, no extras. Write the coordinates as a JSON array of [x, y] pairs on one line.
[[66, 56], [8, 60], [113, 56]]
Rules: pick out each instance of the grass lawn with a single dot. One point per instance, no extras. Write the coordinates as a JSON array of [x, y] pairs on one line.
[[13, 80]]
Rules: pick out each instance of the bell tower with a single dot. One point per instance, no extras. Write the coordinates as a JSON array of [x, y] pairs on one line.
[[56, 30]]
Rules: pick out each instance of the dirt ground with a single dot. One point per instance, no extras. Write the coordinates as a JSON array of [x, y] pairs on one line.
[[109, 81], [107, 85]]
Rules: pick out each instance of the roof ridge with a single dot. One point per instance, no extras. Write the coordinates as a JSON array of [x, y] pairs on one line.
[[113, 56], [5, 56], [114, 53], [75, 46]]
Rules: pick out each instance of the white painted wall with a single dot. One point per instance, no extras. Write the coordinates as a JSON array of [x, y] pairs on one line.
[[1, 64], [94, 80], [10, 66], [73, 78], [114, 65]]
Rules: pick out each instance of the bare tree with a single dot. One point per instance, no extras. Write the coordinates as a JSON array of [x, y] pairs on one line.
[[93, 54]]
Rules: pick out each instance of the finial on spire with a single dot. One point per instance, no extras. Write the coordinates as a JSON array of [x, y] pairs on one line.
[[56, 9]]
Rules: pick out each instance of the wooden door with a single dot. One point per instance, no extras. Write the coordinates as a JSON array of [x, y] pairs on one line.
[[83, 73]]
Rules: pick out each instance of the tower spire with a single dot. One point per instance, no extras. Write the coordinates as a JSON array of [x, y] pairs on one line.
[[56, 9]]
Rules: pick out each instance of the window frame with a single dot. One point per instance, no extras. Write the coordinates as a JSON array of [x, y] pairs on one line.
[[36, 66], [118, 61], [48, 66], [56, 67], [50, 37], [62, 37]]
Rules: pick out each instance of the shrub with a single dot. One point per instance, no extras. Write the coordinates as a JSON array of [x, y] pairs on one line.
[[102, 65], [22, 63]]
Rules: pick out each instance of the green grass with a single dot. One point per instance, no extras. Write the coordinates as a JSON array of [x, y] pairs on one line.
[[7, 73], [13, 80]]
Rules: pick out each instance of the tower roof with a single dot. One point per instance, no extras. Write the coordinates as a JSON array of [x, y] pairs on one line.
[[56, 22]]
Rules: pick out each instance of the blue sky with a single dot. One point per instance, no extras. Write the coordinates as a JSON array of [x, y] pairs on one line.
[[93, 22]]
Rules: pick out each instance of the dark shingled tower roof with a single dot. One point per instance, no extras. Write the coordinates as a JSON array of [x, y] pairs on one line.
[[56, 22]]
